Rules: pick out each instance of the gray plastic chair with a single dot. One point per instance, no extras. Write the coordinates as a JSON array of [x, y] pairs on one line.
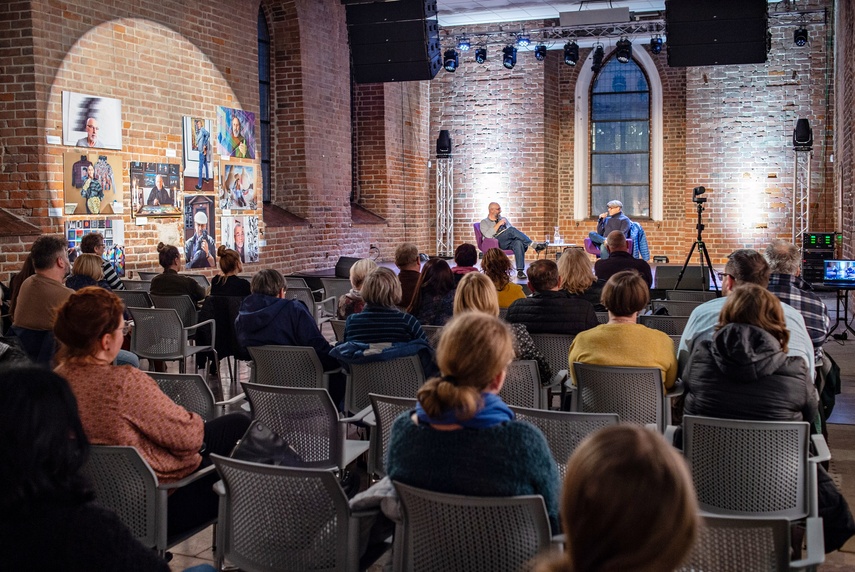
[[690, 295], [675, 307], [503, 313], [455, 533], [144, 285], [200, 279], [183, 304], [125, 483], [676, 340], [147, 275], [634, 393], [295, 281], [555, 348], [433, 333], [134, 298], [401, 377], [191, 392], [288, 366], [158, 334], [725, 544], [283, 519], [564, 430], [522, 385], [671, 325], [306, 419], [386, 409], [603, 317], [335, 287], [322, 310], [338, 329]]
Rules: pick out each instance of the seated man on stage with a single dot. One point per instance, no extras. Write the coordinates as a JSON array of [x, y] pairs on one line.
[[611, 220], [498, 227]]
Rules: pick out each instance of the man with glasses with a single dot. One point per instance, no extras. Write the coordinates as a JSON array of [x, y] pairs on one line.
[[93, 243], [611, 220], [91, 139]]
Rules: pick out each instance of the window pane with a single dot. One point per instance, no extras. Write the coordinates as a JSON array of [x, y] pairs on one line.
[[618, 77], [635, 199], [625, 168], [264, 101], [620, 106], [265, 181], [621, 136], [262, 26], [265, 141]]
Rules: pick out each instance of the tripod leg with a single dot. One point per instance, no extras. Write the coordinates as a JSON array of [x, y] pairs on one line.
[[685, 264], [710, 266]]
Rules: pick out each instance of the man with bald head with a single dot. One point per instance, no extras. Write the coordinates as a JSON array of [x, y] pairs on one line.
[[159, 194], [91, 139], [498, 227], [620, 259]]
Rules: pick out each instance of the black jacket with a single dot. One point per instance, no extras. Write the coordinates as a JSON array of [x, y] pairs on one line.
[[607, 267], [553, 312], [743, 374]]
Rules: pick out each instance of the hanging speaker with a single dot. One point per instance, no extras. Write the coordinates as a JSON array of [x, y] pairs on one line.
[[803, 135], [443, 145]]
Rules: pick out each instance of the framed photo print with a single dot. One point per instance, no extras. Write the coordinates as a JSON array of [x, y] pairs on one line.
[[91, 121]]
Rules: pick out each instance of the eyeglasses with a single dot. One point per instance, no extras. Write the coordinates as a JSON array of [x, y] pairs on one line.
[[721, 275]]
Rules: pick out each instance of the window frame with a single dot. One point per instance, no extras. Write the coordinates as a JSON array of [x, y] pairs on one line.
[[264, 103]]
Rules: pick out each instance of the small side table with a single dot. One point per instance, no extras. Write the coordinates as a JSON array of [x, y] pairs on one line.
[[559, 246]]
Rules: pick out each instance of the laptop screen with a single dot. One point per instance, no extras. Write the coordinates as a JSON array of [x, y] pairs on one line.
[[839, 271]]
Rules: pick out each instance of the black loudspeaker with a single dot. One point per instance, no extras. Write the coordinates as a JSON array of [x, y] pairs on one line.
[[394, 41], [665, 277], [342, 267], [715, 32], [443, 144], [803, 135]]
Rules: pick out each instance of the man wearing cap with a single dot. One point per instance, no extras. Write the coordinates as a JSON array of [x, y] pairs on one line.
[[199, 248], [611, 220]]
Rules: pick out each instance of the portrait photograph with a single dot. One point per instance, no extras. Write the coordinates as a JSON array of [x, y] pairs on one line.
[[92, 183], [198, 154], [237, 186], [90, 121], [240, 233], [155, 189], [200, 246], [236, 133]]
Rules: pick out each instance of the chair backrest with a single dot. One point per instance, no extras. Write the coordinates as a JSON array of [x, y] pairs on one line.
[[675, 307], [157, 334], [725, 544], [304, 417], [479, 237], [603, 317], [676, 340], [305, 296], [183, 304], [147, 275], [564, 430], [400, 377], [671, 325], [433, 333], [284, 519], [386, 410], [749, 468], [125, 483], [335, 287], [503, 313], [201, 279], [469, 533], [296, 282], [190, 391], [224, 311], [522, 385], [134, 298], [691, 295], [338, 329], [634, 393], [287, 366], [555, 348], [39, 345], [144, 285]]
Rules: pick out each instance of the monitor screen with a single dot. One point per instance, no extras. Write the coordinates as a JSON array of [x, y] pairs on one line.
[[839, 271]]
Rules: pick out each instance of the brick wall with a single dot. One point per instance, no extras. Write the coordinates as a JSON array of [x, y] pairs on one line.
[[845, 139]]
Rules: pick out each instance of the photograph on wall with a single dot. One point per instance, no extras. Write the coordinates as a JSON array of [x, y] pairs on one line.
[[155, 189], [237, 186], [90, 121], [112, 231], [198, 154], [200, 250], [236, 133], [240, 233], [92, 183]]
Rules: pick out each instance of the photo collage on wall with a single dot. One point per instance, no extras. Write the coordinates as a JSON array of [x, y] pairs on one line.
[[155, 190], [92, 183], [113, 231], [240, 233], [200, 245]]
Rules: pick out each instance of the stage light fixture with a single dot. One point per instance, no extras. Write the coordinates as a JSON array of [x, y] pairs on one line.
[[463, 44], [540, 52], [800, 37], [509, 57], [597, 58], [451, 61], [571, 53], [656, 44], [523, 40], [623, 50], [481, 55]]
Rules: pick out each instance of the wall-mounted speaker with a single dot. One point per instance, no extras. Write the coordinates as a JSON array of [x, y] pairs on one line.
[[443, 144], [803, 135]]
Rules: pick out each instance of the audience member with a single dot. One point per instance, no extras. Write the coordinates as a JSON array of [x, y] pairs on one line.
[[476, 293], [93, 243], [171, 283], [550, 310], [352, 302], [622, 341], [465, 258], [10, 354], [121, 405], [86, 271], [48, 520], [611, 220], [229, 283], [620, 259], [380, 320], [577, 277], [743, 266], [27, 270], [462, 439], [42, 293], [433, 302], [627, 503], [497, 266], [409, 272]]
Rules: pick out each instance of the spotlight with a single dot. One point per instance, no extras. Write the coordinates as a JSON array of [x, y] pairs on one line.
[[800, 37], [509, 58], [481, 55], [523, 40], [656, 44], [540, 52], [463, 44], [597, 63], [451, 61], [571, 53], [623, 50]]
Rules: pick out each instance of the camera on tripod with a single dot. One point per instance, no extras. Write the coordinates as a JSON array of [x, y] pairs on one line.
[[696, 195]]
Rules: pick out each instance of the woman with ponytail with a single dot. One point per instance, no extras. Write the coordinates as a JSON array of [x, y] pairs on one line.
[[229, 283], [462, 438]]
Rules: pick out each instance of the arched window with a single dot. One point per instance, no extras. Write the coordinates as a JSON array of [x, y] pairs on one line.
[[264, 101], [620, 139]]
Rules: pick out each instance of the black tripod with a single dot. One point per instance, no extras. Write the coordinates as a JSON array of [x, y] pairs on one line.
[[702, 251]]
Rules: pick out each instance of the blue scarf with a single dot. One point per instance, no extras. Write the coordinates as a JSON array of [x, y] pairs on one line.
[[494, 412]]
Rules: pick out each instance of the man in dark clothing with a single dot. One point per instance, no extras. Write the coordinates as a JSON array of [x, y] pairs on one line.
[[611, 220], [551, 309], [620, 259]]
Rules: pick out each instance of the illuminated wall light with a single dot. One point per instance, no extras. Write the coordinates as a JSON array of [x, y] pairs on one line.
[[523, 40], [463, 44], [656, 44], [451, 61], [800, 37]]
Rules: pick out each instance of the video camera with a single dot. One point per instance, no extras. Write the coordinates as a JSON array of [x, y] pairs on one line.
[[696, 195]]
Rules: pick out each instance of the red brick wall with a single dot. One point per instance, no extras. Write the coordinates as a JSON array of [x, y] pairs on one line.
[[845, 140]]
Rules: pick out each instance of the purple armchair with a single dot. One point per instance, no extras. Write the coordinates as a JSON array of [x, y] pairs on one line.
[[592, 248], [485, 244]]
